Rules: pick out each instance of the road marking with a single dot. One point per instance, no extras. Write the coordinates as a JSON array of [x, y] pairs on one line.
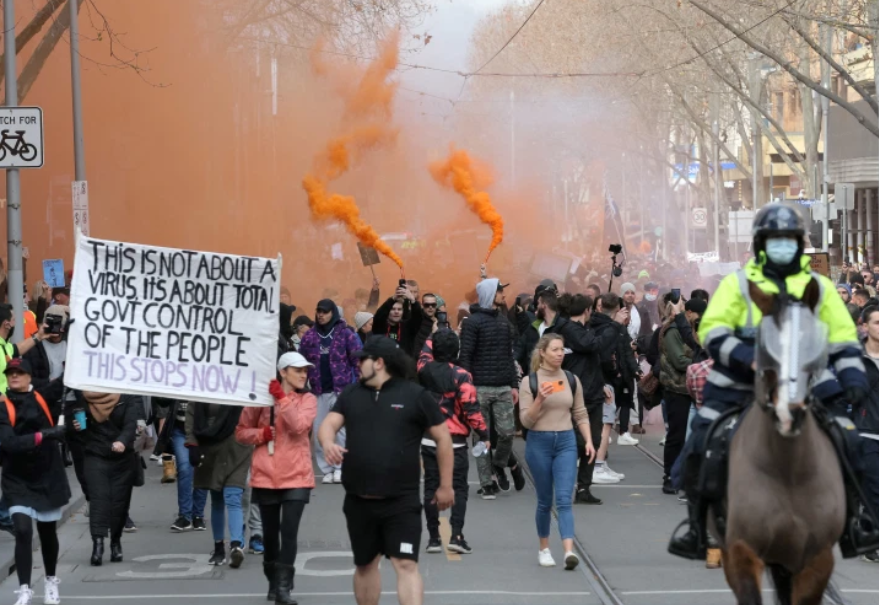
[[624, 486], [446, 535], [303, 557], [649, 593], [197, 567], [129, 597]]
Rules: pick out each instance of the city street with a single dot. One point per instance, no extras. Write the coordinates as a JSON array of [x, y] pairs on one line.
[[625, 537]]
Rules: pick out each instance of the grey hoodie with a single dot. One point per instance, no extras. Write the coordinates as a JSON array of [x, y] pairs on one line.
[[487, 290]]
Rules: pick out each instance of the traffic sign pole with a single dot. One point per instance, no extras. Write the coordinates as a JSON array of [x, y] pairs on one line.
[[15, 275], [78, 145]]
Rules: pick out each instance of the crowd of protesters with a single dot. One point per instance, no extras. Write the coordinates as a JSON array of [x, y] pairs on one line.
[[373, 394]]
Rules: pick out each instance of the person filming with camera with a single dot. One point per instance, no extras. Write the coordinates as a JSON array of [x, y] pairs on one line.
[[47, 356]]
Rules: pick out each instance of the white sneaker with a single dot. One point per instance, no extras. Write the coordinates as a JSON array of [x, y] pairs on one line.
[[662, 441], [337, 476], [545, 558], [600, 475], [50, 594], [627, 439], [25, 594], [571, 561], [613, 473], [328, 479]]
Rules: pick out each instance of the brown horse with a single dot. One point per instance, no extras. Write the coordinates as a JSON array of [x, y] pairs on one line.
[[785, 498]]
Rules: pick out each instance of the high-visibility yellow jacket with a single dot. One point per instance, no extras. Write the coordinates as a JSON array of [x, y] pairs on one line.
[[728, 329]]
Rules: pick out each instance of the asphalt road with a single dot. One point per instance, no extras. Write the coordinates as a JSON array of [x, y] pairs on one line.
[[625, 538]]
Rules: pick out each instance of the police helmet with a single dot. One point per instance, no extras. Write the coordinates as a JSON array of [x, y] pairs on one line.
[[777, 220]]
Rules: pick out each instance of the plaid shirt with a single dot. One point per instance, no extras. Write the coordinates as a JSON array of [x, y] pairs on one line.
[[697, 374]]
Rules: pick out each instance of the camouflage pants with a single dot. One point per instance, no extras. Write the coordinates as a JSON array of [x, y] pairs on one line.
[[497, 403]]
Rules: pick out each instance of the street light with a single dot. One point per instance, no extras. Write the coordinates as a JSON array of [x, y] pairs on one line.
[[758, 74]]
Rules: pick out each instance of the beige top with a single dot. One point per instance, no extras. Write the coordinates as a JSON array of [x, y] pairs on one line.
[[558, 409]]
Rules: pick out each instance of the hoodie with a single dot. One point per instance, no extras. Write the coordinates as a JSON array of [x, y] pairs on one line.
[[487, 340], [333, 351], [486, 290]]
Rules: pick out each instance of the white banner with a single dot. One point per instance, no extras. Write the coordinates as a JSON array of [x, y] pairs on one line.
[[701, 257], [189, 325]]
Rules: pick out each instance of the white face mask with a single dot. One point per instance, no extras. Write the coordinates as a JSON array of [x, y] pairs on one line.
[[650, 297], [781, 250]]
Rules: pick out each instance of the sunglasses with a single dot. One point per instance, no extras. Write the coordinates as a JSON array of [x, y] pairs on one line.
[[323, 311], [429, 305]]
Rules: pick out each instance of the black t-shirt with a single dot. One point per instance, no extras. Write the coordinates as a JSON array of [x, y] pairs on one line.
[[384, 430]]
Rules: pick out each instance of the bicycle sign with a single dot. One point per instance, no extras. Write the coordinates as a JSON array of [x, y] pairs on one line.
[[21, 137]]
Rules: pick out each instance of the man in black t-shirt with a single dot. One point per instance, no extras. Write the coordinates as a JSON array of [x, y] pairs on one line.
[[385, 417]]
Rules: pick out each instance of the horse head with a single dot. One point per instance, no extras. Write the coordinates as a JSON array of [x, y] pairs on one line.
[[791, 350]]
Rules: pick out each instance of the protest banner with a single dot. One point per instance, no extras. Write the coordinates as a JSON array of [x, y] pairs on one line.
[[820, 263], [197, 326]]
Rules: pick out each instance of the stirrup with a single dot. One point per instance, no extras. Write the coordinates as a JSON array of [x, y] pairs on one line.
[[697, 554], [855, 541]]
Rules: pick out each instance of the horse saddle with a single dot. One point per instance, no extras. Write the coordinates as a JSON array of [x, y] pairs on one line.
[[714, 470]]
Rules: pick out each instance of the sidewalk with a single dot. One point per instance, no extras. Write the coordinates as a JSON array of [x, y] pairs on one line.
[[171, 568], [7, 542]]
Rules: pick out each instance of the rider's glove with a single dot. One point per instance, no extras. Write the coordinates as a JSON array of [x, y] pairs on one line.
[[855, 394]]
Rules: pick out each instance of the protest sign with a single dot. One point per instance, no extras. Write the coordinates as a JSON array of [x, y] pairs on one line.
[[368, 256], [197, 326], [53, 273], [820, 263]]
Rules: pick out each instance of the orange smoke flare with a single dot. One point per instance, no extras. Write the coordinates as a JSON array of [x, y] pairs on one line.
[[366, 120], [462, 174]]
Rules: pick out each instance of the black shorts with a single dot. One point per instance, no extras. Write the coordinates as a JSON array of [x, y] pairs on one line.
[[390, 527]]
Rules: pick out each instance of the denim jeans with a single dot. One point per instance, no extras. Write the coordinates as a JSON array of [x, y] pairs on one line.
[[221, 501], [690, 421], [552, 458], [325, 405], [190, 502]]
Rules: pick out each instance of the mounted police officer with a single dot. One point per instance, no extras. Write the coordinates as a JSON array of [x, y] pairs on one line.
[[728, 332]]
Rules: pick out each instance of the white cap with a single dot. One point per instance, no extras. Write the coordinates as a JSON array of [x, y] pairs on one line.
[[293, 360]]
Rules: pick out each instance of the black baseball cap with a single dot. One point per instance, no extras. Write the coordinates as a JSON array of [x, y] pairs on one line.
[[18, 365], [378, 347], [696, 305]]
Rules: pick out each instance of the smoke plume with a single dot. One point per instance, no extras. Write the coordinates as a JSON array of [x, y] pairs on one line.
[[366, 122], [465, 176]]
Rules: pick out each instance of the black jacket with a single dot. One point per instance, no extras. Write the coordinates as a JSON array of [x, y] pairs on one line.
[[409, 326], [98, 437], [487, 339], [865, 413], [617, 358], [527, 341], [33, 475], [39, 364], [423, 334], [584, 359]]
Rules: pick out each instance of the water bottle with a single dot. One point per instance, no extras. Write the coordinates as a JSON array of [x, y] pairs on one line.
[[479, 449]]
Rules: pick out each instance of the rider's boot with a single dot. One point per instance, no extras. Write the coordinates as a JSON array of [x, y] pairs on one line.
[[691, 544]]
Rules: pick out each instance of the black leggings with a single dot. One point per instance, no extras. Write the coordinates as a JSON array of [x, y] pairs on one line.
[[23, 527], [280, 527]]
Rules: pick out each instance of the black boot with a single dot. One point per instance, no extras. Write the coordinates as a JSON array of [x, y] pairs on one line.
[[115, 550], [284, 575], [97, 551], [268, 569], [692, 543]]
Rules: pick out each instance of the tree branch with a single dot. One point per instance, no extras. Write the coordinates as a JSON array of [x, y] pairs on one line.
[[30, 30], [41, 53], [842, 71], [786, 65]]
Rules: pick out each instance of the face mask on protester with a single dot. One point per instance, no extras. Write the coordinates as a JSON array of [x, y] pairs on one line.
[[781, 250], [650, 297]]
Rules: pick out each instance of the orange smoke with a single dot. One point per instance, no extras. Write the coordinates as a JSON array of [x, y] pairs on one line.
[[465, 176], [366, 124]]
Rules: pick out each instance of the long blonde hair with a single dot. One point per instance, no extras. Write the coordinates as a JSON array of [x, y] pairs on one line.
[[542, 346]]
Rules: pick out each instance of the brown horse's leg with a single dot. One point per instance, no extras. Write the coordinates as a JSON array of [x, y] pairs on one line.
[[744, 571], [809, 585]]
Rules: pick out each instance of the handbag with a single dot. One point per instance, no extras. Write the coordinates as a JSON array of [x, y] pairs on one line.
[[648, 384]]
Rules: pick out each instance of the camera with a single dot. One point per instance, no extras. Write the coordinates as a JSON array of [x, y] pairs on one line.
[[54, 324], [616, 268]]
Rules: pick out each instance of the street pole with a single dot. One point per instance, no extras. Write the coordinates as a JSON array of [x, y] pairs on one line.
[[664, 173], [718, 173], [78, 145], [756, 146], [15, 274], [825, 108]]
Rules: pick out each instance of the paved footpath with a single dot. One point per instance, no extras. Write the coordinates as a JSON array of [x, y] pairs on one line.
[[625, 537]]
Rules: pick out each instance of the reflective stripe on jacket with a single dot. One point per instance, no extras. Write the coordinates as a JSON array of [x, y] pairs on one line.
[[729, 327]]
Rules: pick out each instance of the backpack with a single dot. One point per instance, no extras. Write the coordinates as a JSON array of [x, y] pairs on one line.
[[10, 409], [532, 382]]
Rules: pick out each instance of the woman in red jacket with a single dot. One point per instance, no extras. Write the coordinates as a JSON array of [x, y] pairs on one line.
[[281, 474]]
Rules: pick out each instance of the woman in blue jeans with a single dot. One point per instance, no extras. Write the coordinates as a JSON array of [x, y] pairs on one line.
[[551, 448], [221, 466]]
